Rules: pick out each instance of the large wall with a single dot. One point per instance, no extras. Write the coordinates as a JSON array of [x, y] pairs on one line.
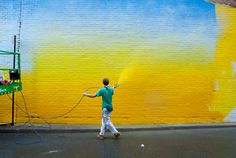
[[174, 59]]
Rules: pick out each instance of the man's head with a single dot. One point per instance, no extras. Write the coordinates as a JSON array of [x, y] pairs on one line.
[[105, 81]]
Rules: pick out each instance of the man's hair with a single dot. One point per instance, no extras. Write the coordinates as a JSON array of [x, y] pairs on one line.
[[105, 81]]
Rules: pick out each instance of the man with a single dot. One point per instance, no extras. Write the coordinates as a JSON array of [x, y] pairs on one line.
[[106, 92]]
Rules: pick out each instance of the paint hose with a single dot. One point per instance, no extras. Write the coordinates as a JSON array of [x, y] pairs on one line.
[[39, 140]]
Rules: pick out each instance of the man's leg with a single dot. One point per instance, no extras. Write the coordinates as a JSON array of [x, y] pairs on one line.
[[103, 127], [110, 125]]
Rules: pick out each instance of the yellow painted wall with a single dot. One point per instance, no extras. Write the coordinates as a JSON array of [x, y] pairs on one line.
[[161, 82]]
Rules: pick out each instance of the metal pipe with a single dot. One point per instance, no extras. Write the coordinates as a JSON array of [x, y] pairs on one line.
[[13, 94]]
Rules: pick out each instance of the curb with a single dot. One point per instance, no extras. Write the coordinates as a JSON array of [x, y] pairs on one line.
[[84, 129]]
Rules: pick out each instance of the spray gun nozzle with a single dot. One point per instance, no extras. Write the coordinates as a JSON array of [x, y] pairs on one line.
[[116, 85]]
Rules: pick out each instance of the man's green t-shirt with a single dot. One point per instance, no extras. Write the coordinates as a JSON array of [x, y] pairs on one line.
[[106, 93]]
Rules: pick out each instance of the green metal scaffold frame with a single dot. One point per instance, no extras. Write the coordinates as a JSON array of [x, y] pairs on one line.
[[16, 84]]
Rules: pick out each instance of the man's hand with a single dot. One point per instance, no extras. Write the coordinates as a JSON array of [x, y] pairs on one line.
[[116, 85]]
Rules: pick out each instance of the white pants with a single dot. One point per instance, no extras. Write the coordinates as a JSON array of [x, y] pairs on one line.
[[107, 123]]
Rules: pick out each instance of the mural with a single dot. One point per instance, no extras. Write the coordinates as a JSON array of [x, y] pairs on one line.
[[174, 60]]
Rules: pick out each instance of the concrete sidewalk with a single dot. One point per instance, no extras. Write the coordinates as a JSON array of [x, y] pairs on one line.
[[181, 143], [73, 128]]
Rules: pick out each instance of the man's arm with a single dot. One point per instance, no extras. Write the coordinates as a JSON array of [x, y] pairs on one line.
[[89, 95]]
